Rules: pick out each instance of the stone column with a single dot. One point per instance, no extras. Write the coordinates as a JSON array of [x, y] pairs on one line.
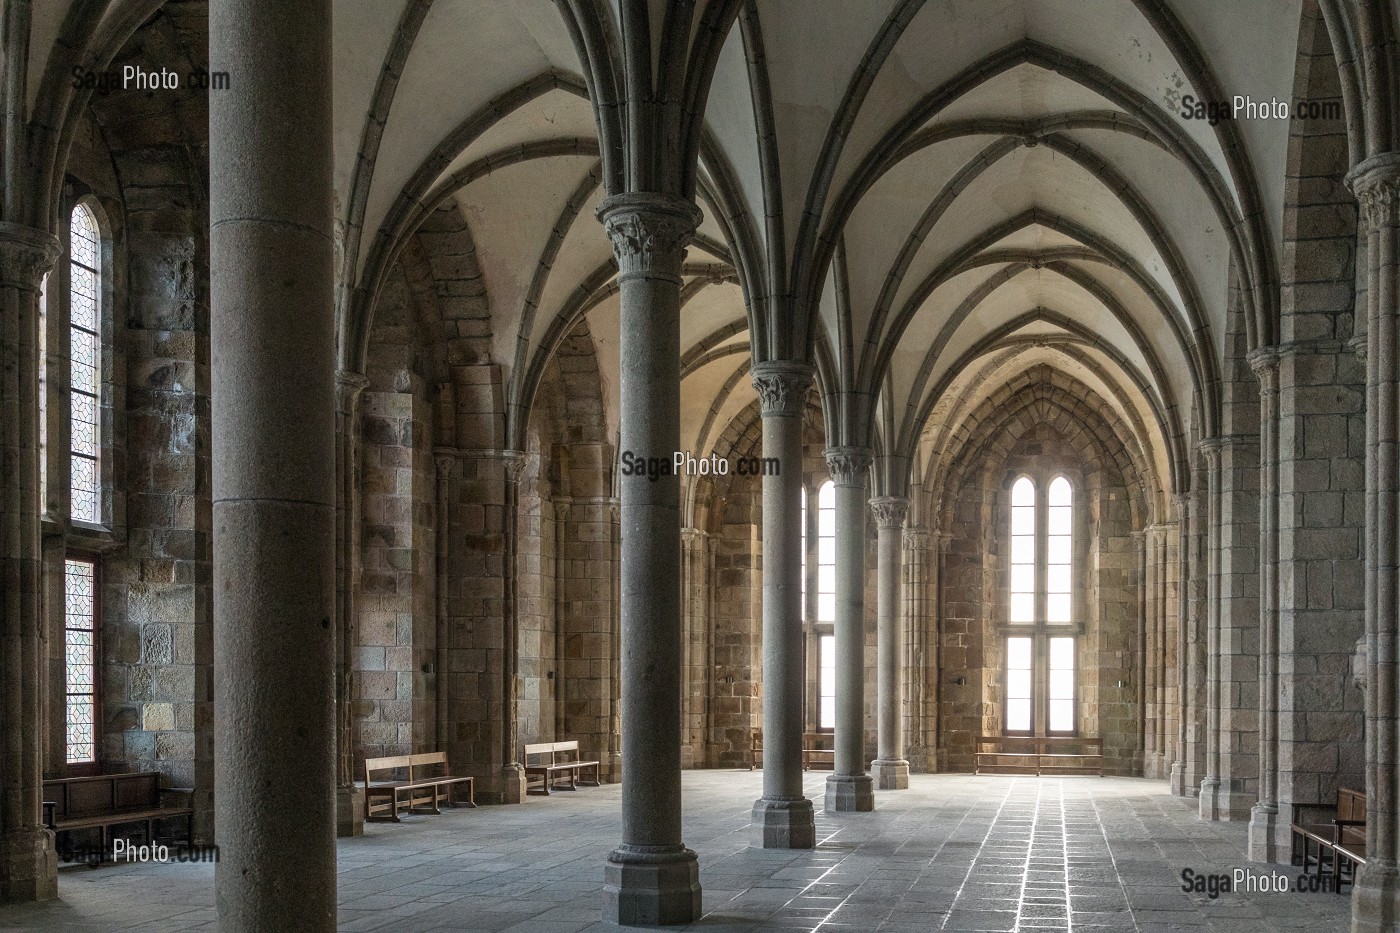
[[1376, 899], [1264, 816], [1183, 777], [512, 770], [651, 877], [1209, 802], [849, 788], [28, 864], [349, 798], [782, 817], [889, 769], [273, 430]]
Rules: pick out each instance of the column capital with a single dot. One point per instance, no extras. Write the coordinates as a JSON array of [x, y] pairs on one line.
[[690, 537], [889, 511], [26, 253], [649, 232], [1376, 184], [918, 539], [348, 386], [562, 506], [782, 387], [847, 465], [1264, 363]]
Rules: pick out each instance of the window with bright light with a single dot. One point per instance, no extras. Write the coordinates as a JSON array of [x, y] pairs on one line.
[[826, 713], [826, 606], [80, 659], [1040, 657], [802, 549], [826, 553], [85, 366]]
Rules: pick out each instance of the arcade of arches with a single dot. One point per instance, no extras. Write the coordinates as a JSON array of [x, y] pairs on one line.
[[344, 380]]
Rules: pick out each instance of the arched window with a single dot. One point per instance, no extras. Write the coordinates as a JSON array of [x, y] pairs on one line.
[[1040, 641], [85, 366], [826, 605]]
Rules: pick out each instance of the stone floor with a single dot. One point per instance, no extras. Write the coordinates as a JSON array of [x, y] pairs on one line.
[[954, 852]]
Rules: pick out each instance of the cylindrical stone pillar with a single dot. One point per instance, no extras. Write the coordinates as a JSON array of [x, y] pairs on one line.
[[274, 403], [1264, 826], [890, 770], [850, 788], [349, 796], [1376, 901], [651, 877], [1209, 801], [782, 817], [920, 559], [28, 864]]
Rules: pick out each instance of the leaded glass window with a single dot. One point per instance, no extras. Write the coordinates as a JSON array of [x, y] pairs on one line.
[[80, 658], [85, 366], [1040, 660]]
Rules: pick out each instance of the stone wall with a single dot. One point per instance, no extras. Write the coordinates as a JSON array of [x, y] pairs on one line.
[[396, 603]]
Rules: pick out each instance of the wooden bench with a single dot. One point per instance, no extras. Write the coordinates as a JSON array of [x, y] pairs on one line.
[[101, 801], [1336, 831], [553, 761], [409, 782], [816, 750], [1039, 755]]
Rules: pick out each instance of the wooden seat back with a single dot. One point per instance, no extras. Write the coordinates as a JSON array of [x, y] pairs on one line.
[[542, 754], [389, 768], [427, 765], [98, 794], [1351, 817]]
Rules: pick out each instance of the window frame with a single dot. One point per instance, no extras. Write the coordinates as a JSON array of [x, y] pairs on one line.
[[93, 766], [1039, 630], [823, 628], [87, 206]]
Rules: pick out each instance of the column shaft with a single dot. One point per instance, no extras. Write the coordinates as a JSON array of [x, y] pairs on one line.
[[651, 877], [850, 787], [28, 864], [1263, 819], [782, 818], [1209, 804], [1376, 901], [273, 392], [890, 769], [349, 799]]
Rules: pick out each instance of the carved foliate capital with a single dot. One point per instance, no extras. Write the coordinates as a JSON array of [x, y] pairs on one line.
[[25, 255], [348, 387], [446, 460], [514, 463], [889, 511], [649, 232], [847, 465], [1264, 362], [1357, 345], [917, 539], [1376, 184], [782, 387]]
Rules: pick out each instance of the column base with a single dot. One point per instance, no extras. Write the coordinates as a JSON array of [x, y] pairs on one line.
[[1178, 778], [651, 886], [1375, 901], [1208, 802], [349, 811], [890, 774], [783, 824], [513, 783], [28, 866], [1263, 833], [850, 793]]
